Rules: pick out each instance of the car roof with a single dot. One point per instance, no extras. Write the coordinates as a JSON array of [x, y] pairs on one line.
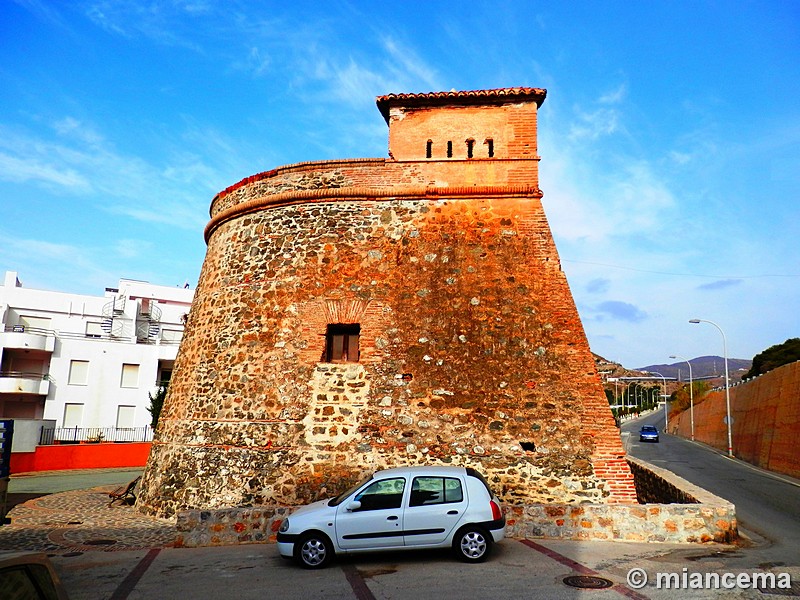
[[437, 470]]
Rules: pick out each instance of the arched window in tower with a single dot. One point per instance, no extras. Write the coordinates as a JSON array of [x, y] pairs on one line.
[[489, 146], [429, 149], [470, 147], [449, 149]]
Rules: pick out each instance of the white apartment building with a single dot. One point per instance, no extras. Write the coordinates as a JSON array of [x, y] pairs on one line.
[[87, 361]]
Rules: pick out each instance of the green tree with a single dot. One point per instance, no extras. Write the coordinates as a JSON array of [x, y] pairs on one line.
[[610, 396], [680, 398], [156, 404], [774, 357]]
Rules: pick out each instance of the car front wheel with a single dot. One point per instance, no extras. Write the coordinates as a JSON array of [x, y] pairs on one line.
[[313, 551], [472, 544]]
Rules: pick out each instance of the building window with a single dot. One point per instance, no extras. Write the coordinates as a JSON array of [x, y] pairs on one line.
[[470, 147], [449, 149], [489, 146], [130, 376], [164, 378], [94, 330], [125, 416], [341, 342], [78, 372], [429, 149], [73, 415], [37, 324]]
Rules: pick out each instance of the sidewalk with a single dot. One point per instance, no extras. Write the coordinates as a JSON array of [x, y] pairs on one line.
[[116, 552], [80, 520]]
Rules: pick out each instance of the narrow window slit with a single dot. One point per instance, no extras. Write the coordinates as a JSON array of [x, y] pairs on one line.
[[429, 149], [449, 149], [489, 146], [470, 147]]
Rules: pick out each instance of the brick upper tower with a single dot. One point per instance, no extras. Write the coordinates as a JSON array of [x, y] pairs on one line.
[[357, 314]]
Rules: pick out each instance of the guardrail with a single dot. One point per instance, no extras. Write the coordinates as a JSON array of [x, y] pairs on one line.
[[76, 335], [90, 435], [26, 329], [25, 375]]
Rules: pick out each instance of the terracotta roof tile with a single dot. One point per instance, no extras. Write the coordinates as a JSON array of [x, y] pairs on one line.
[[463, 98]]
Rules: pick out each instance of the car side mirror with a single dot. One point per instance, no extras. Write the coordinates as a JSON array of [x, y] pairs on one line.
[[354, 505]]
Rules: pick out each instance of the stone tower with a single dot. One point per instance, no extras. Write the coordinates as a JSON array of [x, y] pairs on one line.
[[364, 313]]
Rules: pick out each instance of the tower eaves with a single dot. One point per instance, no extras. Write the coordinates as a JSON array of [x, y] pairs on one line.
[[463, 98]]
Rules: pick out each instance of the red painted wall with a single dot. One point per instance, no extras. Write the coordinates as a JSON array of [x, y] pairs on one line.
[[80, 456]]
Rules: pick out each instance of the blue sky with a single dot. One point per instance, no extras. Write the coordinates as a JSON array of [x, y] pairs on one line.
[[670, 139]]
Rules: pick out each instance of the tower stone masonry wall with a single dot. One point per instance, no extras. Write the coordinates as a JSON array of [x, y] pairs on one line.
[[471, 351]]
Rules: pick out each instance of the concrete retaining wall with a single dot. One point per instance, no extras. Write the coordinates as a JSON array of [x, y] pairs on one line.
[[699, 517]]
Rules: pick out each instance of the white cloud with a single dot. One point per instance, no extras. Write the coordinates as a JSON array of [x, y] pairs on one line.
[[406, 65], [43, 11], [128, 248], [614, 96], [69, 127], [593, 125], [23, 169]]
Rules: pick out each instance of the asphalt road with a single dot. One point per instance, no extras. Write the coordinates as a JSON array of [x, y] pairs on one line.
[[767, 504]]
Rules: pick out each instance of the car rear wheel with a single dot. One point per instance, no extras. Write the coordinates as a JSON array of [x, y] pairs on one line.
[[472, 544], [313, 551]]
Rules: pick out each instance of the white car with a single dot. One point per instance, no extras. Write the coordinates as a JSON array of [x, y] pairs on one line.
[[395, 509]]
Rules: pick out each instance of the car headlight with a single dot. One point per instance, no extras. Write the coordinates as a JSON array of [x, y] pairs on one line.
[[284, 526]]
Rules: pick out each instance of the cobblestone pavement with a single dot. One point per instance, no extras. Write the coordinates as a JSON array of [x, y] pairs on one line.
[[82, 521]]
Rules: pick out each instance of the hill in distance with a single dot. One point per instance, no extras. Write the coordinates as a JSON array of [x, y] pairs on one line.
[[703, 367]]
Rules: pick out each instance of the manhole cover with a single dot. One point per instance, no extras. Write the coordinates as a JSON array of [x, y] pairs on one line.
[[588, 582], [100, 542]]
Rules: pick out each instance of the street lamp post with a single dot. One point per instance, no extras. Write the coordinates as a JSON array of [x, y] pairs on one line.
[[727, 386], [691, 393], [664, 394]]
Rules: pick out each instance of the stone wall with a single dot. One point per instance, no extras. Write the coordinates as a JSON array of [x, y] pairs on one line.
[[677, 512], [766, 419]]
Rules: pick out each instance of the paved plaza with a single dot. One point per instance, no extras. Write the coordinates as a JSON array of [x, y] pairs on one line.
[[82, 521]]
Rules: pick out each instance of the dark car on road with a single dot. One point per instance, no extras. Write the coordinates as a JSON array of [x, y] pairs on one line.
[[648, 433]]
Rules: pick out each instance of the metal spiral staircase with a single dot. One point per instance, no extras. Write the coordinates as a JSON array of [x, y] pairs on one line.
[[148, 322], [111, 323]]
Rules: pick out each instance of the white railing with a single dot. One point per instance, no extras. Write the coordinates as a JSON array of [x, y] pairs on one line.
[[76, 435]]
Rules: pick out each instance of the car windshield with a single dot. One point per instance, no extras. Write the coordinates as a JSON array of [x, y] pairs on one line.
[[648, 428], [340, 498]]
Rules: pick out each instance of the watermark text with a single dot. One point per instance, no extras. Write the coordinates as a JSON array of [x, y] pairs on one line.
[[692, 580]]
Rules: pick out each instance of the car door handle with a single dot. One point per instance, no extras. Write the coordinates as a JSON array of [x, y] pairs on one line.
[[452, 512], [392, 518]]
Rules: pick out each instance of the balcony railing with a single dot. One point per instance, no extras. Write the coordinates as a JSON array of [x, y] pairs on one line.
[[26, 329], [22, 337], [88, 435], [25, 375], [22, 382]]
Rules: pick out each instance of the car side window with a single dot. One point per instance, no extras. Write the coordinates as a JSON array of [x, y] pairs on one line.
[[386, 493], [435, 490]]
